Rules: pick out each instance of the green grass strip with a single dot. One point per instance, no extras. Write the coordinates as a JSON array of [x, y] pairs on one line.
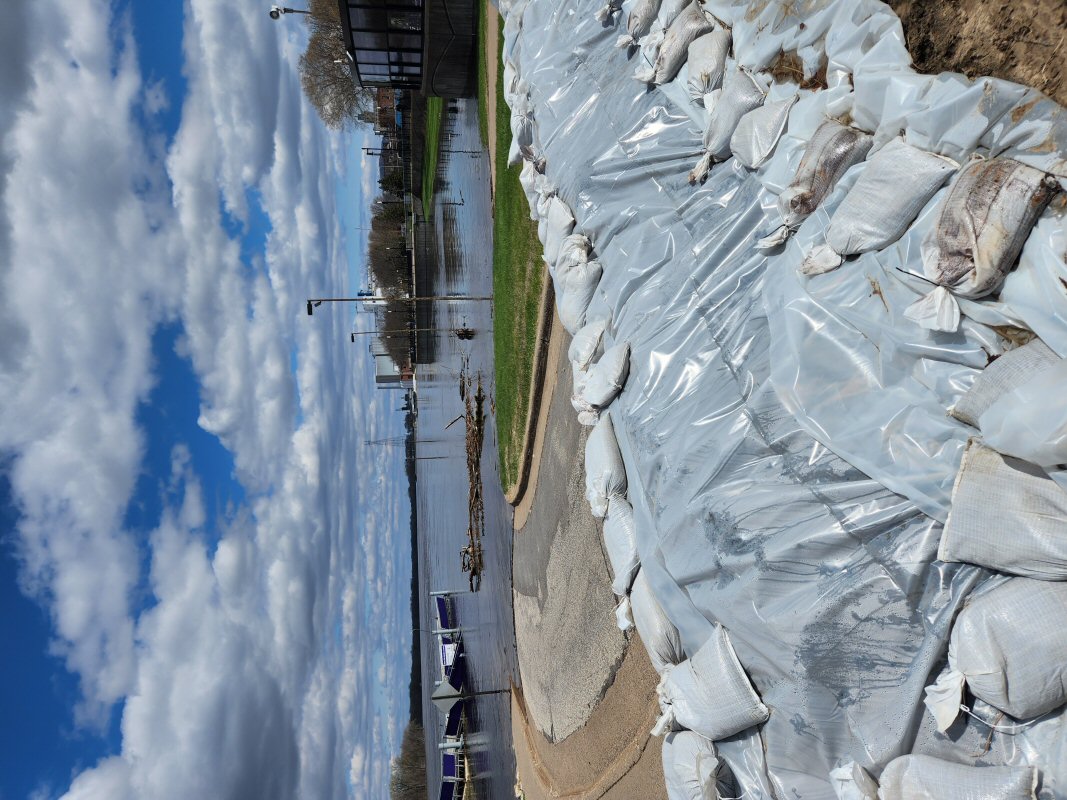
[[434, 111], [518, 272]]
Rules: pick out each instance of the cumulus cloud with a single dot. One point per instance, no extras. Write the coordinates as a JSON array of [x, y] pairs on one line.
[[245, 672]]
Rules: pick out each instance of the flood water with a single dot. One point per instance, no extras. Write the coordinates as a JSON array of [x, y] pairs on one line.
[[463, 225]]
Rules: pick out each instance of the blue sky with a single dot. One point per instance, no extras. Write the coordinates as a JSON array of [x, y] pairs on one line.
[[196, 554]]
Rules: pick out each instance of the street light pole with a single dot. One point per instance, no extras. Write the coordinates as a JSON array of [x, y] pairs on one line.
[[277, 12], [315, 302]]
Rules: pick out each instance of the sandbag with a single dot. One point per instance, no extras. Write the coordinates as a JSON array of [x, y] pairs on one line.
[[707, 63], [605, 473], [639, 23], [559, 222], [980, 228], [620, 543], [919, 777], [646, 59], [686, 27], [1003, 375], [710, 693], [586, 343], [690, 767], [575, 286], [1006, 515], [852, 782], [741, 93], [608, 10], [658, 634], [608, 376], [573, 250], [886, 198], [668, 12], [1030, 421], [528, 181], [758, 132], [1009, 647], [833, 149]]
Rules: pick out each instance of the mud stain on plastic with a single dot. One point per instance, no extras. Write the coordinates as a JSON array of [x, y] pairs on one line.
[[876, 289]]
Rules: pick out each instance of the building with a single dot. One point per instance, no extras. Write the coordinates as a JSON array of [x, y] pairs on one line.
[[387, 373], [428, 46]]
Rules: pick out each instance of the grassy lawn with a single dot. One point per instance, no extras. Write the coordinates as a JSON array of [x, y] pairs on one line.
[[434, 110], [517, 275]]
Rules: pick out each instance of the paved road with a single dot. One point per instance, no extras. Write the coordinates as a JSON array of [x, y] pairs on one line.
[[569, 647]]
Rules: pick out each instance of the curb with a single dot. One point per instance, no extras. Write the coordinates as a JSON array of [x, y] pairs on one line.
[[545, 311]]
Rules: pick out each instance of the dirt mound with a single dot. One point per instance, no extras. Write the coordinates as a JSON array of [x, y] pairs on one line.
[[1024, 41]]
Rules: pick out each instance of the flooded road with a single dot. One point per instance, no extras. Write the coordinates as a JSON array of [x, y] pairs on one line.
[[463, 239]]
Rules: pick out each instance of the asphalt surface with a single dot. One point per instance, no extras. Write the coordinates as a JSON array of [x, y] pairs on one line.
[[569, 647]]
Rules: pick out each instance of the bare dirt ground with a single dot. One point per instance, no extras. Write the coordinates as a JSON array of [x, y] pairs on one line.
[[1024, 41]]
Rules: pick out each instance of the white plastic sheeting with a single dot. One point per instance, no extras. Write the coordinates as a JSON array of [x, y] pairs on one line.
[[657, 632], [620, 543], [789, 454]]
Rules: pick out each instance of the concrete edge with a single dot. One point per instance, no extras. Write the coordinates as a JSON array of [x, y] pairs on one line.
[[545, 311]]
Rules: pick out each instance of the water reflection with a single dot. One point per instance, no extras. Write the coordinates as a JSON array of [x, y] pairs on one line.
[[461, 237]]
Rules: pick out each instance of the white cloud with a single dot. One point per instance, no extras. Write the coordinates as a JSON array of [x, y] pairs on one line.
[[248, 674]]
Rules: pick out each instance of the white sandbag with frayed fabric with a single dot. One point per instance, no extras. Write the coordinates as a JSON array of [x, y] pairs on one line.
[[1003, 375], [919, 777], [741, 93], [1007, 515], [587, 415], [833, 149], [1009, 648], [559, 222], [686, 28], [586, 343], [605, 473], [893, 188], [608, 376], [620, 543], [707, 63], [690, 767], [980, 228], [1030, 421], [639, 23], [710, 693], [758, 132], [575, 288], [658, 634]]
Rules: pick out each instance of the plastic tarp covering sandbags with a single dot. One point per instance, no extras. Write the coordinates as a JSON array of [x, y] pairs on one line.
[[683, 31], [709, 692], [690, 766], [885, 200], [1008, 515], [658, 633], [621, 544], [789, 457], [559, 222], [605, 473], [586, 343], [1004, 375], [1009, 647], [925, 778]]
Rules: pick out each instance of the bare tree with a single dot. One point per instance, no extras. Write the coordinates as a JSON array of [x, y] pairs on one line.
[[326, 72], [409, 768]]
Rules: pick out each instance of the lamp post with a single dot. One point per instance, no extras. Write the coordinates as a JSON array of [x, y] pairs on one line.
[[276, 12], [315, 302]]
